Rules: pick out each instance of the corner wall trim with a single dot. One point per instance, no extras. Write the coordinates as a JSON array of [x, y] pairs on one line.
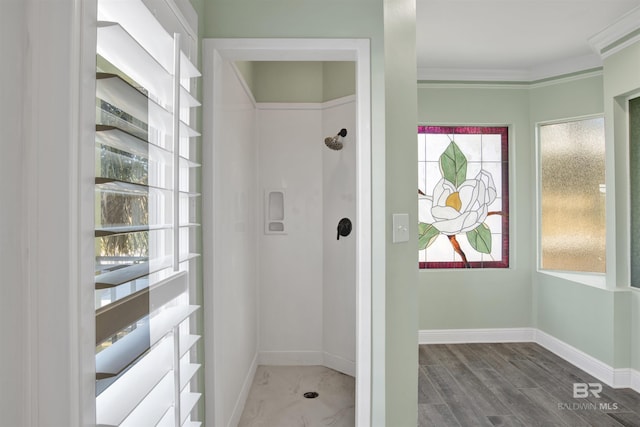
[[244, 393], [307, 358], [340, 364], [283, 358], [616, 378]]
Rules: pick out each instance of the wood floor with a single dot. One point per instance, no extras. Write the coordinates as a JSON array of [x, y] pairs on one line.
[[515, 384]]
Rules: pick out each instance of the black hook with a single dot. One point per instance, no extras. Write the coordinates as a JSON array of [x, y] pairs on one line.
[[343, 132], [344, 227]]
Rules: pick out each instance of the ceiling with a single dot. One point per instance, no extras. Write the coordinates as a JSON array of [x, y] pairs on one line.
[[510, 40]]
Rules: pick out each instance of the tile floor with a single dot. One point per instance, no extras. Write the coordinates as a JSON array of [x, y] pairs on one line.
[[276, 398]]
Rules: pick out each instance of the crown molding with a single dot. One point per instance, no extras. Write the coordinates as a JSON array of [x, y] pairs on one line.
[[602, 42], [578, 64], [553, 70], [565, 78], [441, 84], [469, 74]]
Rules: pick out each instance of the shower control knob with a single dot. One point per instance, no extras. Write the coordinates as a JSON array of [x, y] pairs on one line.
[[344, 227]]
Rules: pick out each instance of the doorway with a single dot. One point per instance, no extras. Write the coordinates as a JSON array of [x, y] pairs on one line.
[[231, 347]]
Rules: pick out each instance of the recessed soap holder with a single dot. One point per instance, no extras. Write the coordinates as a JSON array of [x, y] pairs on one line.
[[274, 211]]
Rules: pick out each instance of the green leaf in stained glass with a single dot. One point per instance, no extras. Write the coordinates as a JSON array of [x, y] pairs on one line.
[[453, 165], [427, 233], [480, 238]]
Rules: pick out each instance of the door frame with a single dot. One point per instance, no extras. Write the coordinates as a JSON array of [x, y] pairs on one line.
[[215, 53]]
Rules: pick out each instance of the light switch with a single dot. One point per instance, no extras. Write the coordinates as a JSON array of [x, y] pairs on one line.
[[400, 228]]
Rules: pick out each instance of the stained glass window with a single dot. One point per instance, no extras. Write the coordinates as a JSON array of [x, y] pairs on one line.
[[572, 196], [463, 197]]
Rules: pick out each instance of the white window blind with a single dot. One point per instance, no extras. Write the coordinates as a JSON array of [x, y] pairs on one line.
[[145, 221]]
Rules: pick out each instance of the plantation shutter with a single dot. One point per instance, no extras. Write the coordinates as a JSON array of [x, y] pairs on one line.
[[146, 220]]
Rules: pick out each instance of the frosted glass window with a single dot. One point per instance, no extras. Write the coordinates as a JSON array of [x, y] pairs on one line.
[[634, 186], [572, 196], [463, 197]]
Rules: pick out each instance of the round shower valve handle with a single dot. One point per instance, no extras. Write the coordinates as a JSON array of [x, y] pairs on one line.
[[344, 227]]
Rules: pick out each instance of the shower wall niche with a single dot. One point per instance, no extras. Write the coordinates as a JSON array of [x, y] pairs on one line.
[[281, 296]]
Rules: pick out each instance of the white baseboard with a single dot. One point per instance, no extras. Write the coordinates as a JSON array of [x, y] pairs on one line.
[[283, 358], [616, 378], [460, 336], [340, 364], [244, 393], [635, 380], [582, 360], [307, 358]]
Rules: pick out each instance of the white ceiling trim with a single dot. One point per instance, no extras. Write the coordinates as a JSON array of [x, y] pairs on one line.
[[472, 84], [573, 65], [569, 66], [559, 80], [507, 85], [462, 74], [621, 46], [627, 24]]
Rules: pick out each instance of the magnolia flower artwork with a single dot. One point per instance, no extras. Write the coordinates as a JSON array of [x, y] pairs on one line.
[[463, 204]]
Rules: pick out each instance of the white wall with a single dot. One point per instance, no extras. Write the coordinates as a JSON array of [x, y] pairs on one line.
[[234, 256], [339, 256], [46, 303], [277, 298], [12, 290], [290, 146], [307, 295]]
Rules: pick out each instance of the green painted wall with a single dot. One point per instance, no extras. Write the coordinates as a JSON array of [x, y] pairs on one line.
[[517, 297], [246, 70], [579, 315], [623, 330], [401, 258], [390, 27], [634, 189], [299, 81], [603, 323], [621, 80], [338, 79], [635, 331], [287, 81], [493, 298], [565, 99]]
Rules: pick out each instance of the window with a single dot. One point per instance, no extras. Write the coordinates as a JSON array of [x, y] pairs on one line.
[[572, 196], [463, 197], [145, 220]]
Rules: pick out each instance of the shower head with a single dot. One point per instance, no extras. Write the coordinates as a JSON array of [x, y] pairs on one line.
[[334, 142]]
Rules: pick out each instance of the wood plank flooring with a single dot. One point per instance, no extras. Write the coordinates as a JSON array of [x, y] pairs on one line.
[[514, 384]]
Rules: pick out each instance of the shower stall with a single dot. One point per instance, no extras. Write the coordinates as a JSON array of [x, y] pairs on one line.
[[305, 274], [283, 252]]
